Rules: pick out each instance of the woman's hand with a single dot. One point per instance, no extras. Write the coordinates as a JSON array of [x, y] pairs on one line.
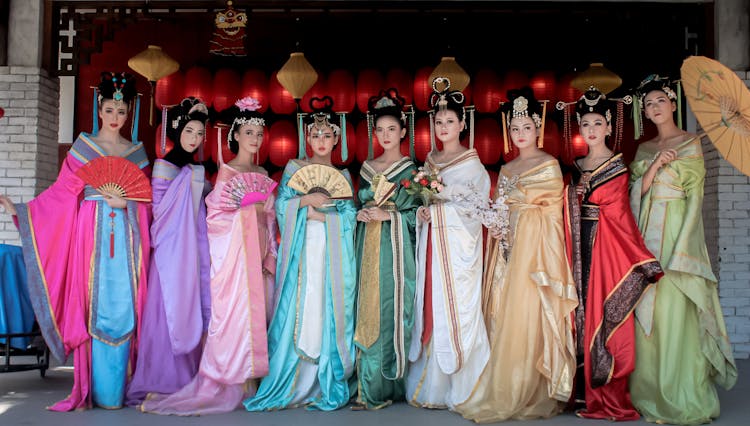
[[363, 215], [313, 214], [115, 202], [495, 232], [664, 157], [316, 200], [378, 214], [7, 205], [423, 214]]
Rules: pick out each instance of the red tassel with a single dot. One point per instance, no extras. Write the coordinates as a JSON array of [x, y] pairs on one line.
[[111, 234]]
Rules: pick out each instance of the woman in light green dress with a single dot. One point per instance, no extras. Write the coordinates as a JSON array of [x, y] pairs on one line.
[[386, 267], [682, 349]]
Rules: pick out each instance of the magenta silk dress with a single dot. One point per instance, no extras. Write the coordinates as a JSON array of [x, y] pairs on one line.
[[242, 243]]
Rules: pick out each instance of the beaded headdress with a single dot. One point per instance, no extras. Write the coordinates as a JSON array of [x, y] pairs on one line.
[[594, 101], [389, 103], [120, 87], [649, 84], [319, 120], [442, 99], [523, 103]]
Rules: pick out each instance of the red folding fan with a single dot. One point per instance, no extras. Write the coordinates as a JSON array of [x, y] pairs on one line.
[[246, 188], [116, 176]]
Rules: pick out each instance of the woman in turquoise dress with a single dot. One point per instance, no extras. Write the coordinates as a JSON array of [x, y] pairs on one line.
[[310, 337], [682, 349], [385, 261]]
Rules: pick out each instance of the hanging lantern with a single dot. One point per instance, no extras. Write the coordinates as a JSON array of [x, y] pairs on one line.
[[487, 87], [422, 139], [340, 86], [576, 148], [552, 141], [363, 142], [598, 76], [199, 84], [225, 84], [369, 84], [318, 90], [544, 85], [493, 181], [255, 85], [401, 81], [422, 88], [280, 100], [513, 79], [351, 146], [488, 140], [153, 64], [284, 143], [448, 67], [566, 92], [297, 76], [169, 90]]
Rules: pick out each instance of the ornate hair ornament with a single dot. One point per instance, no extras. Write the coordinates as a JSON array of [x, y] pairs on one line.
[[440, 97], [521, 109], [321, 118], [594, 101], [194, 113], [118, 86], [248, 104], [522, 103]]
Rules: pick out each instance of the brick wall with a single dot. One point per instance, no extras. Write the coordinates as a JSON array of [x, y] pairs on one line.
[[726, 216], [28, 137]]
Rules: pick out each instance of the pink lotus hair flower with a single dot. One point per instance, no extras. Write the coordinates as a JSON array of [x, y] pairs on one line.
[[248, 104]]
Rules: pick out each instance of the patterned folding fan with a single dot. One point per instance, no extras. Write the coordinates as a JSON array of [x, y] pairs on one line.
[[321, 178], [245, 189], [116, 176], [383, 189]]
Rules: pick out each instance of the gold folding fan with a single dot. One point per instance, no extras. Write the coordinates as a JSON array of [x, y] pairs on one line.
[[321, 178], [382, 189]]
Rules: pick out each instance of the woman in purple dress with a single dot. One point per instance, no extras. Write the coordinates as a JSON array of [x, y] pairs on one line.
[[178, 304]]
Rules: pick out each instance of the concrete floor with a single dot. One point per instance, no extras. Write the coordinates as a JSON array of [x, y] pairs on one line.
[[24, 396]]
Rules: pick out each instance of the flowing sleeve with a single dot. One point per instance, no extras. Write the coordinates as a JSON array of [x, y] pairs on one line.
[[289, 217], [639, 204], [47, 227], [406, 204], [205, 265], [269, 261], [690, 254]]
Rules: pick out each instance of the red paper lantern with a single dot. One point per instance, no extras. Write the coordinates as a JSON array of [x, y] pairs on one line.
[[363, 141], [169, 90], [552, 141], [513, 79], [401, 81], [226, 85], [422, 144], [488, 140], [284, 144], [280, 100], [577, 148], [544, 85], [493, 182], [369, 84], [169, 144], [341, 88], [566, 92], [351, 145], [317, 91], [422, 88], [488, 95], [468, 95], [255, 85], [199, 84]]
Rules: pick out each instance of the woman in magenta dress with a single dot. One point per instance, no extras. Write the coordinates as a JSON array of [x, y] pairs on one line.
[[86, 255], [178, 303], [242, 242]]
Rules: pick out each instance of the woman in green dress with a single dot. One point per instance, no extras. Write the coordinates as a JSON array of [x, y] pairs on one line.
[[682, 349], [385, 260]]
